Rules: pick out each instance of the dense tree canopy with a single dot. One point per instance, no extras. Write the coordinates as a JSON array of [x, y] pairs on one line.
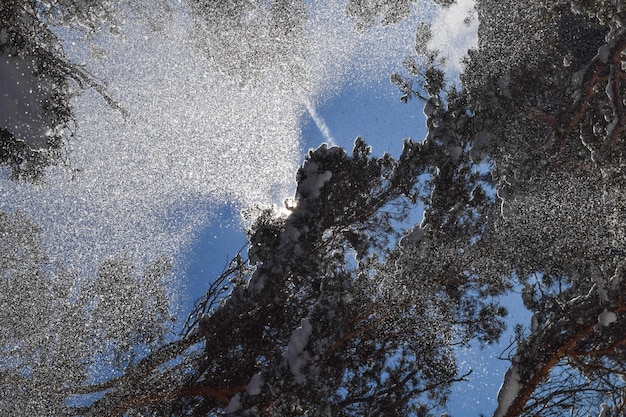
[[549, 117], [341, 306]]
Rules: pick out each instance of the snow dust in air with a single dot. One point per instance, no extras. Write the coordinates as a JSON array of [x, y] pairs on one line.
[[454, 31], [196, 137]]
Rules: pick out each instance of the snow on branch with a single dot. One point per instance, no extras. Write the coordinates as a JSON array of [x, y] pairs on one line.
[[605, 67], [295, 354], [509, 390]]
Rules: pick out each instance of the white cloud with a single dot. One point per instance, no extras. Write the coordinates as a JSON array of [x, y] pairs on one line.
[[319, 122]]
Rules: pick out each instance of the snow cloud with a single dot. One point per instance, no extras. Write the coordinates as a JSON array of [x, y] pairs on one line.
[[339, 54], [145, 185]]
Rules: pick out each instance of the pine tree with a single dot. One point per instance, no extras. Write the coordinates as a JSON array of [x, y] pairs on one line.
[[330, 320], [544, 89], [338, 310]]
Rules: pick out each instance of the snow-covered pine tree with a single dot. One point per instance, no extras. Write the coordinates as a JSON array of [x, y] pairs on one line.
[[331, 321], [545, 93], [541, 103], [332, 314]]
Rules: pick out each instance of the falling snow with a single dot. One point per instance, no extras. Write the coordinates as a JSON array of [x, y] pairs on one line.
[[194, 140], [143, 186]]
